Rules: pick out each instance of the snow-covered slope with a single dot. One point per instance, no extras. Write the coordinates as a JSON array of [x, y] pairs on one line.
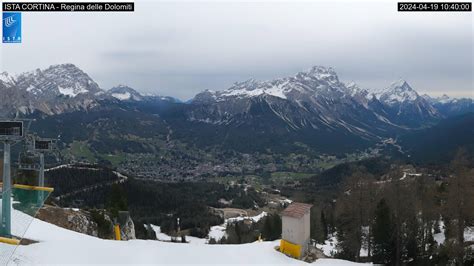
[[216, 232], [58, 246]]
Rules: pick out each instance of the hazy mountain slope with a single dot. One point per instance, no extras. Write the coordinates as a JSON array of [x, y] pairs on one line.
[[448, 106], [108, 128], [440, 142]]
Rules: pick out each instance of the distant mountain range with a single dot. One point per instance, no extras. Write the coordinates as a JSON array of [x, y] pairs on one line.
[[312, 108]]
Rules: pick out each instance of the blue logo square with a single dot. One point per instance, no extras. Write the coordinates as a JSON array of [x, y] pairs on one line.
[[11, 25]]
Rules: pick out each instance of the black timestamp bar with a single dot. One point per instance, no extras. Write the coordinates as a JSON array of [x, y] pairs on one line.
[[434, 6], [68, 6]]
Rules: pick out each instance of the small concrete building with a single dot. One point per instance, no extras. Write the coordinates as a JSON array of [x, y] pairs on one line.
[[295, 229]]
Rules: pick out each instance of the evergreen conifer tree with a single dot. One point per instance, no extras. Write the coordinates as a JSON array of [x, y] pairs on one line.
[[382, 233]]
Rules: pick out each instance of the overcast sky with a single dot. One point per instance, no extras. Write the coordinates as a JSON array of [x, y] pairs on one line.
[[181, 48]]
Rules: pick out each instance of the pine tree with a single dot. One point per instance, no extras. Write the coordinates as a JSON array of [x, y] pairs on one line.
[[459, 204], [382, 233], [324, 226], [352, 213], [267, 228], [348, 231], [117, 200], [316, 226], [276, 226], [411, 245], [271, 227], [428, 217]]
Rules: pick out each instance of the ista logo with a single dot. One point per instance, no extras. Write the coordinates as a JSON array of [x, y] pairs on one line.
[[11, 27]]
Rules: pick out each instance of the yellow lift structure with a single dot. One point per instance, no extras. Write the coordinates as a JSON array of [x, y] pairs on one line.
[[11, 241], [290, 249], [29, 187], [27, 199], [117, 232]]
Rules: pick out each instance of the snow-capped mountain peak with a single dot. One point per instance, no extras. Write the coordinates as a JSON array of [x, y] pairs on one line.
[[123, 93], [252, 88], [398, 92], [351, 84], [355, 89], [427, 97], [447, 100], [363, 96], [444, 99], [322, 73], [53, 90], [247, 83], [401, 83], [6, 79], [318, 80], [63, 79]]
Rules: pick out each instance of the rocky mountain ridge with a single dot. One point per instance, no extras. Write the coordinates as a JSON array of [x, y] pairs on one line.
[[55, 90], [319, 91], [310, 107], [59, 88]]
